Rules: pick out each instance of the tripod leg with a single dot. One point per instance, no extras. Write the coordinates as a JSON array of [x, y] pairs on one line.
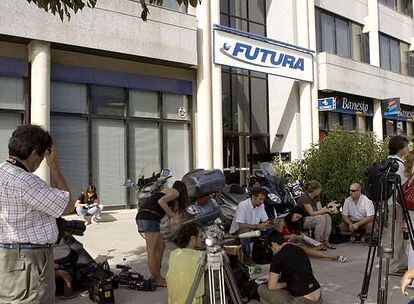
[[197, 278], [231, 282]]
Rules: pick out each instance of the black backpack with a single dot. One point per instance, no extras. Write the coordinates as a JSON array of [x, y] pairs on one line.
[[372, 183]]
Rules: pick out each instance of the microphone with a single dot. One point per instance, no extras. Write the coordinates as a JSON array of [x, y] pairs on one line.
[[250, 234]]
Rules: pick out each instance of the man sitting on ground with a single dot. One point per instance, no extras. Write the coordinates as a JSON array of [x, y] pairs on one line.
[[291, 278], [357, 214], [250, 215]]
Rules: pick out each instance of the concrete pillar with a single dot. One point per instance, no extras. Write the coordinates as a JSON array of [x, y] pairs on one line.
[[39, 58], [410, 130], [361, 123], [203, 130], [307, 111], [377, 120], [372, 26], [216, 98]]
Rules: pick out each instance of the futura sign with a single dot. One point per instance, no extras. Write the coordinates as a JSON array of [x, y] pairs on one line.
[[252, 52]]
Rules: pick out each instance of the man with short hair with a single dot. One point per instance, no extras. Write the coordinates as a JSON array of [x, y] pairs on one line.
[[357, 214], [28, 211], [291, 278], [250, 215]]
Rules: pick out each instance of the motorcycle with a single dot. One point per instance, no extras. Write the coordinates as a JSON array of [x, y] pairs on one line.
[[281, 195]]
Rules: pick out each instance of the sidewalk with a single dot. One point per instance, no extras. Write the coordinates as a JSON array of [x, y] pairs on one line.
[[118, 238]]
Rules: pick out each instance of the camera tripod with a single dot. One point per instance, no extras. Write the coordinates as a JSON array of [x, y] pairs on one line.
[[385, 251], [218, 267]]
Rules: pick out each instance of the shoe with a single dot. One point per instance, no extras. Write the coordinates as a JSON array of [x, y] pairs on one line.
[[357, 239], [398, 273], [341, 259]]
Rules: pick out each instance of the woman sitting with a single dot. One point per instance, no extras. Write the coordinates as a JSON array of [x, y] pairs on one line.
[[148, 221], [290, 227], [88, 205], [183, 264], [317, 217]]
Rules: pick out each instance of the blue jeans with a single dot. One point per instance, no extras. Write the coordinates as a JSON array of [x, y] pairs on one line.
[[85, 212], [245, 246]]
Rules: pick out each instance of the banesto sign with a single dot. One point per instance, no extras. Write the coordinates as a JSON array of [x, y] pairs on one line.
[[236, 50]]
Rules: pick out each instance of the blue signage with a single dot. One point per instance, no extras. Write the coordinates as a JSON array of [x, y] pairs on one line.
[[391, 107], [346, 105]]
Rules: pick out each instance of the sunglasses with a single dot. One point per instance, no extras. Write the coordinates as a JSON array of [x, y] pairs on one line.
[[352, 190]]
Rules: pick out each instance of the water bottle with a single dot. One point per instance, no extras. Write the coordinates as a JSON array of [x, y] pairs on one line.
[[124, 262]]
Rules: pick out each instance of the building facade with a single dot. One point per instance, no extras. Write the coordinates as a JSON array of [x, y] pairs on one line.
[[125, 98]]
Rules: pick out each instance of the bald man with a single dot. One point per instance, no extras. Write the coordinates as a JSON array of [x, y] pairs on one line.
[[357, 214]]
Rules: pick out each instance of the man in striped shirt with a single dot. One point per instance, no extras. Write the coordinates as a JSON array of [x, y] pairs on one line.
[[28, 211]]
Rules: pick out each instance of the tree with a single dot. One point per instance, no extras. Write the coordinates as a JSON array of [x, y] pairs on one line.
[[64, 7]]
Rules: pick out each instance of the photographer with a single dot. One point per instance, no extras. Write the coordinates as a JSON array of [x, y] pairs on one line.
[[290, 264], [88, 205], [148, 221], [183, 264], [28, 211], [250, 215]]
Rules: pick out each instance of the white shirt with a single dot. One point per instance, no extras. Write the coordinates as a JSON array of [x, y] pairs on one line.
[[363, 208], [28, 207], [247, 214]]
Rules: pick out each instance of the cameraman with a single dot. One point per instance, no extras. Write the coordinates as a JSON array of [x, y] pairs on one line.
[[250, 215], [183, 264], [28, 211]]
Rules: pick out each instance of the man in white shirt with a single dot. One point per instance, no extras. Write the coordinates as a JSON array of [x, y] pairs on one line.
[[358, 213], [250, 215]]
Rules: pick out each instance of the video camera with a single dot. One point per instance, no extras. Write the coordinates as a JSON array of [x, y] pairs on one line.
[[73, 227], [389, 165], [133, 280]]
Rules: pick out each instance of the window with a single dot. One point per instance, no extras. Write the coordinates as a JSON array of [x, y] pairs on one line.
[[395, 127], [328, 119], [402, 6], [341, 36], [173, 4], [108, 134], [245, 100], [394, 54]]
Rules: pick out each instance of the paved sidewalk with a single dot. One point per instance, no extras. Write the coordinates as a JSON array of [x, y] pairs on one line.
[[118, 238]]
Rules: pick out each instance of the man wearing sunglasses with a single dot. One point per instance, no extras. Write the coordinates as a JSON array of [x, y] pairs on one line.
[[357, 214]]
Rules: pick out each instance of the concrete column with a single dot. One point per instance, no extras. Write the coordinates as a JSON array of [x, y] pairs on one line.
[[377, 120], [305, 89], [216, 98], [361, 123], [39, 58], [203, 130], [372, 26]]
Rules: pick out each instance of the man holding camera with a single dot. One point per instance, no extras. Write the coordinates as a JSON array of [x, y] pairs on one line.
[[250, 215], [28, 211]]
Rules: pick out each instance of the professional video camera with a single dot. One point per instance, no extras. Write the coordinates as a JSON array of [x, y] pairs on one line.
[[133, 280], [73, 227], [101, 288]]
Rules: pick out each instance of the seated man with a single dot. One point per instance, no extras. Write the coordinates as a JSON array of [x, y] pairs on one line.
[[250, 215], [357, 214], [291, 265]]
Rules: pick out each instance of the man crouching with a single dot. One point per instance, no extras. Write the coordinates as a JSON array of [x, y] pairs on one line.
[[291, 277]]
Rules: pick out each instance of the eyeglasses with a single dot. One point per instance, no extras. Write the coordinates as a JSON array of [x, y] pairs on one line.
[[352, 190]]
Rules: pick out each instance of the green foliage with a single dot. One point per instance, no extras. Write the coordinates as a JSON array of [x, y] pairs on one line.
[[64, 7], [337, 161], [294, 168]]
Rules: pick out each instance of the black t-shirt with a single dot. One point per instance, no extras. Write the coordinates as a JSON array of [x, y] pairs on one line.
[[86, 199], [294, 268], [151, 210], [305, 199]]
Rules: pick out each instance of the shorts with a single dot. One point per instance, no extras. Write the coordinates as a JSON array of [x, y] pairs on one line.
[[148, 226]]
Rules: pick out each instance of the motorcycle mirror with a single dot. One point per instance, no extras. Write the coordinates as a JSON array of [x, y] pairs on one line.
[[259, 173], [128, 183]]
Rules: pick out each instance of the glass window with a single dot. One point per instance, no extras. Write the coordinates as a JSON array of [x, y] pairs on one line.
[[389, 127], [176, 106], [356, 32], [226, 101], [239, 24], [68, 97], [365, 48], [333, 118], [12, 93], [369, 123], [256, 10], [327, 31], [411, 63], [404, 54], [401, 128], [241, 106], [144, 150], [343, 45], [8, 123], [108, 100], [348, 122], [143, 104], [257, 29], [71, 136], [173, 4], [259, 105], [176, 142], [239, 8], [224, 20], [108, 160], [385, 52], [395, 55], [322, 121], [224, 6]]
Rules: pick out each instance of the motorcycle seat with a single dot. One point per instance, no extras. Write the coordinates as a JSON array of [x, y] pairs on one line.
[[234, 193]]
